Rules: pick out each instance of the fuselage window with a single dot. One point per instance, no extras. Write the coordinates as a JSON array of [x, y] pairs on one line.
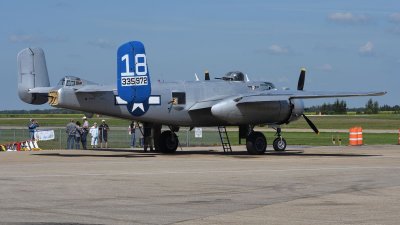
[[179, 98]]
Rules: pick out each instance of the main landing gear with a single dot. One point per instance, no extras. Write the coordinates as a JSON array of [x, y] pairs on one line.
[[168, 142], [256, 142]]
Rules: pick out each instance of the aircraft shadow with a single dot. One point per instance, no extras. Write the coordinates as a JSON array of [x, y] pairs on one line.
[[129, 153], [77, 155], [244, 154]]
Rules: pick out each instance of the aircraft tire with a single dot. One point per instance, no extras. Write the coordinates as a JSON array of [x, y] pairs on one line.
[[256, 143], [279, 144], [168, 142]]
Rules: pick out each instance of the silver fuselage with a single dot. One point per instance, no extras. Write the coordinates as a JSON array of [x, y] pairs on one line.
[[216, 100]]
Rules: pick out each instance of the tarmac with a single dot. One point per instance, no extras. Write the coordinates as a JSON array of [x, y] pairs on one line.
[[202, 185]]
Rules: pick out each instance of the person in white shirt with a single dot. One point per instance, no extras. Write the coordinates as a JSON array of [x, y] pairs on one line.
[[94, 132]]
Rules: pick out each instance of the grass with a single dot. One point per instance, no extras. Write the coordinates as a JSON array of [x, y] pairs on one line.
[[379, 121]]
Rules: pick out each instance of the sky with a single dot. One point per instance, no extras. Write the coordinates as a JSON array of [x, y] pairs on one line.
[[344, 45]]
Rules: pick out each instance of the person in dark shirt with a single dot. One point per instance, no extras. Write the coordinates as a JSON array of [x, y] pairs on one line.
[[71, 130], [103, 133], [33, 124], [78, 135]]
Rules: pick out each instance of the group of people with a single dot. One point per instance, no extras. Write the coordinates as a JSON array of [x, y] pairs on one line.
[[135, 129], [77, 134]]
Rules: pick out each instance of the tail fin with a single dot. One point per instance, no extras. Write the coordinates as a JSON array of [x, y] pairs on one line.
[[32, 72], [133, 77]]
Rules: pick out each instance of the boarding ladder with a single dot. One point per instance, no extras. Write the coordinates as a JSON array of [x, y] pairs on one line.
[[226, 145]]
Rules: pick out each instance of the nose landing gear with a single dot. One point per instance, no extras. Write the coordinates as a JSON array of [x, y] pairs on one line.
[[279, 143]]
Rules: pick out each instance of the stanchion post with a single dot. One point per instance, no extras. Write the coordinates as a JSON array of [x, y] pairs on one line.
[[398, 140]]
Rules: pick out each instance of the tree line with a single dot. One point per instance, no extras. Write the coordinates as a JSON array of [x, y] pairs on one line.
[[41, 111], [340, 107]]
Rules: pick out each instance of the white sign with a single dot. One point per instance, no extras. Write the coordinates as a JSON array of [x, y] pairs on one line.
[[44, 135], [198, 132]]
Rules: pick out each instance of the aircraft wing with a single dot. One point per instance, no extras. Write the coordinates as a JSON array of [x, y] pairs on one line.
[[207, 103], [325, 94], [285, 95]]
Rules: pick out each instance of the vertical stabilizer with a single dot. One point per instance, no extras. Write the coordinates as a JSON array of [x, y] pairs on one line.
[[32, 72], [133, 77]]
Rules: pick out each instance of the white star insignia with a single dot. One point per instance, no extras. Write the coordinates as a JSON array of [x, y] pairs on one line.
[[138, 105]]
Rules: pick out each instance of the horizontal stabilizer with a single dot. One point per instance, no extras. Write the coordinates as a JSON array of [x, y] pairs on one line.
[[40, 90], [95, 88]]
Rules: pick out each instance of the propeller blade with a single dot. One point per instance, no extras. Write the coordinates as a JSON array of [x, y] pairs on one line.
[[311, 124], [300, 84]]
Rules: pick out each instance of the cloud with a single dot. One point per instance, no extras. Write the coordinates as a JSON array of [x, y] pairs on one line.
[[31, 38], [277, 50], [325, 67], [23, 38], [394, 18], [102, 43], [348, 18], [367, 49]]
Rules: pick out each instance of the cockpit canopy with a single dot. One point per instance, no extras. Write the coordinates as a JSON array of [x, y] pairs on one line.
[[69, 81], [267, 86], [233, 76]]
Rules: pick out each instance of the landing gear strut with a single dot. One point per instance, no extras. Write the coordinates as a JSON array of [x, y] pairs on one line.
[[279, 143]]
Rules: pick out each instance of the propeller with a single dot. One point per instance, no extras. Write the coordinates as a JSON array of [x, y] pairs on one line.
[[302, 77], [311, 124], [300, 86]]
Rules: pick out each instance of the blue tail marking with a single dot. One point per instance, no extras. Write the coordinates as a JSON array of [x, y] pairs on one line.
[[133, 77]]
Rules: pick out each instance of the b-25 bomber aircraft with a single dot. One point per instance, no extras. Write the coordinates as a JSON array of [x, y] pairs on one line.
[[231, 100]]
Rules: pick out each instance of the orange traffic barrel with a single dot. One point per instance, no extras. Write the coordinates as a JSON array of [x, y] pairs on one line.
[[353, 136], [359, 136]]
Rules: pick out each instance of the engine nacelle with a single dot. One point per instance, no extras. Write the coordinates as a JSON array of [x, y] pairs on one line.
[[273, 112]]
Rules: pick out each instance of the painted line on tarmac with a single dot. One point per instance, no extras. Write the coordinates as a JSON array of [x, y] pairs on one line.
[[200, 172]]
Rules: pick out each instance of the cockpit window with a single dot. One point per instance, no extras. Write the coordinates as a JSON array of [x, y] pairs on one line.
[[267, 86], [61, 82], [69, 81]]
